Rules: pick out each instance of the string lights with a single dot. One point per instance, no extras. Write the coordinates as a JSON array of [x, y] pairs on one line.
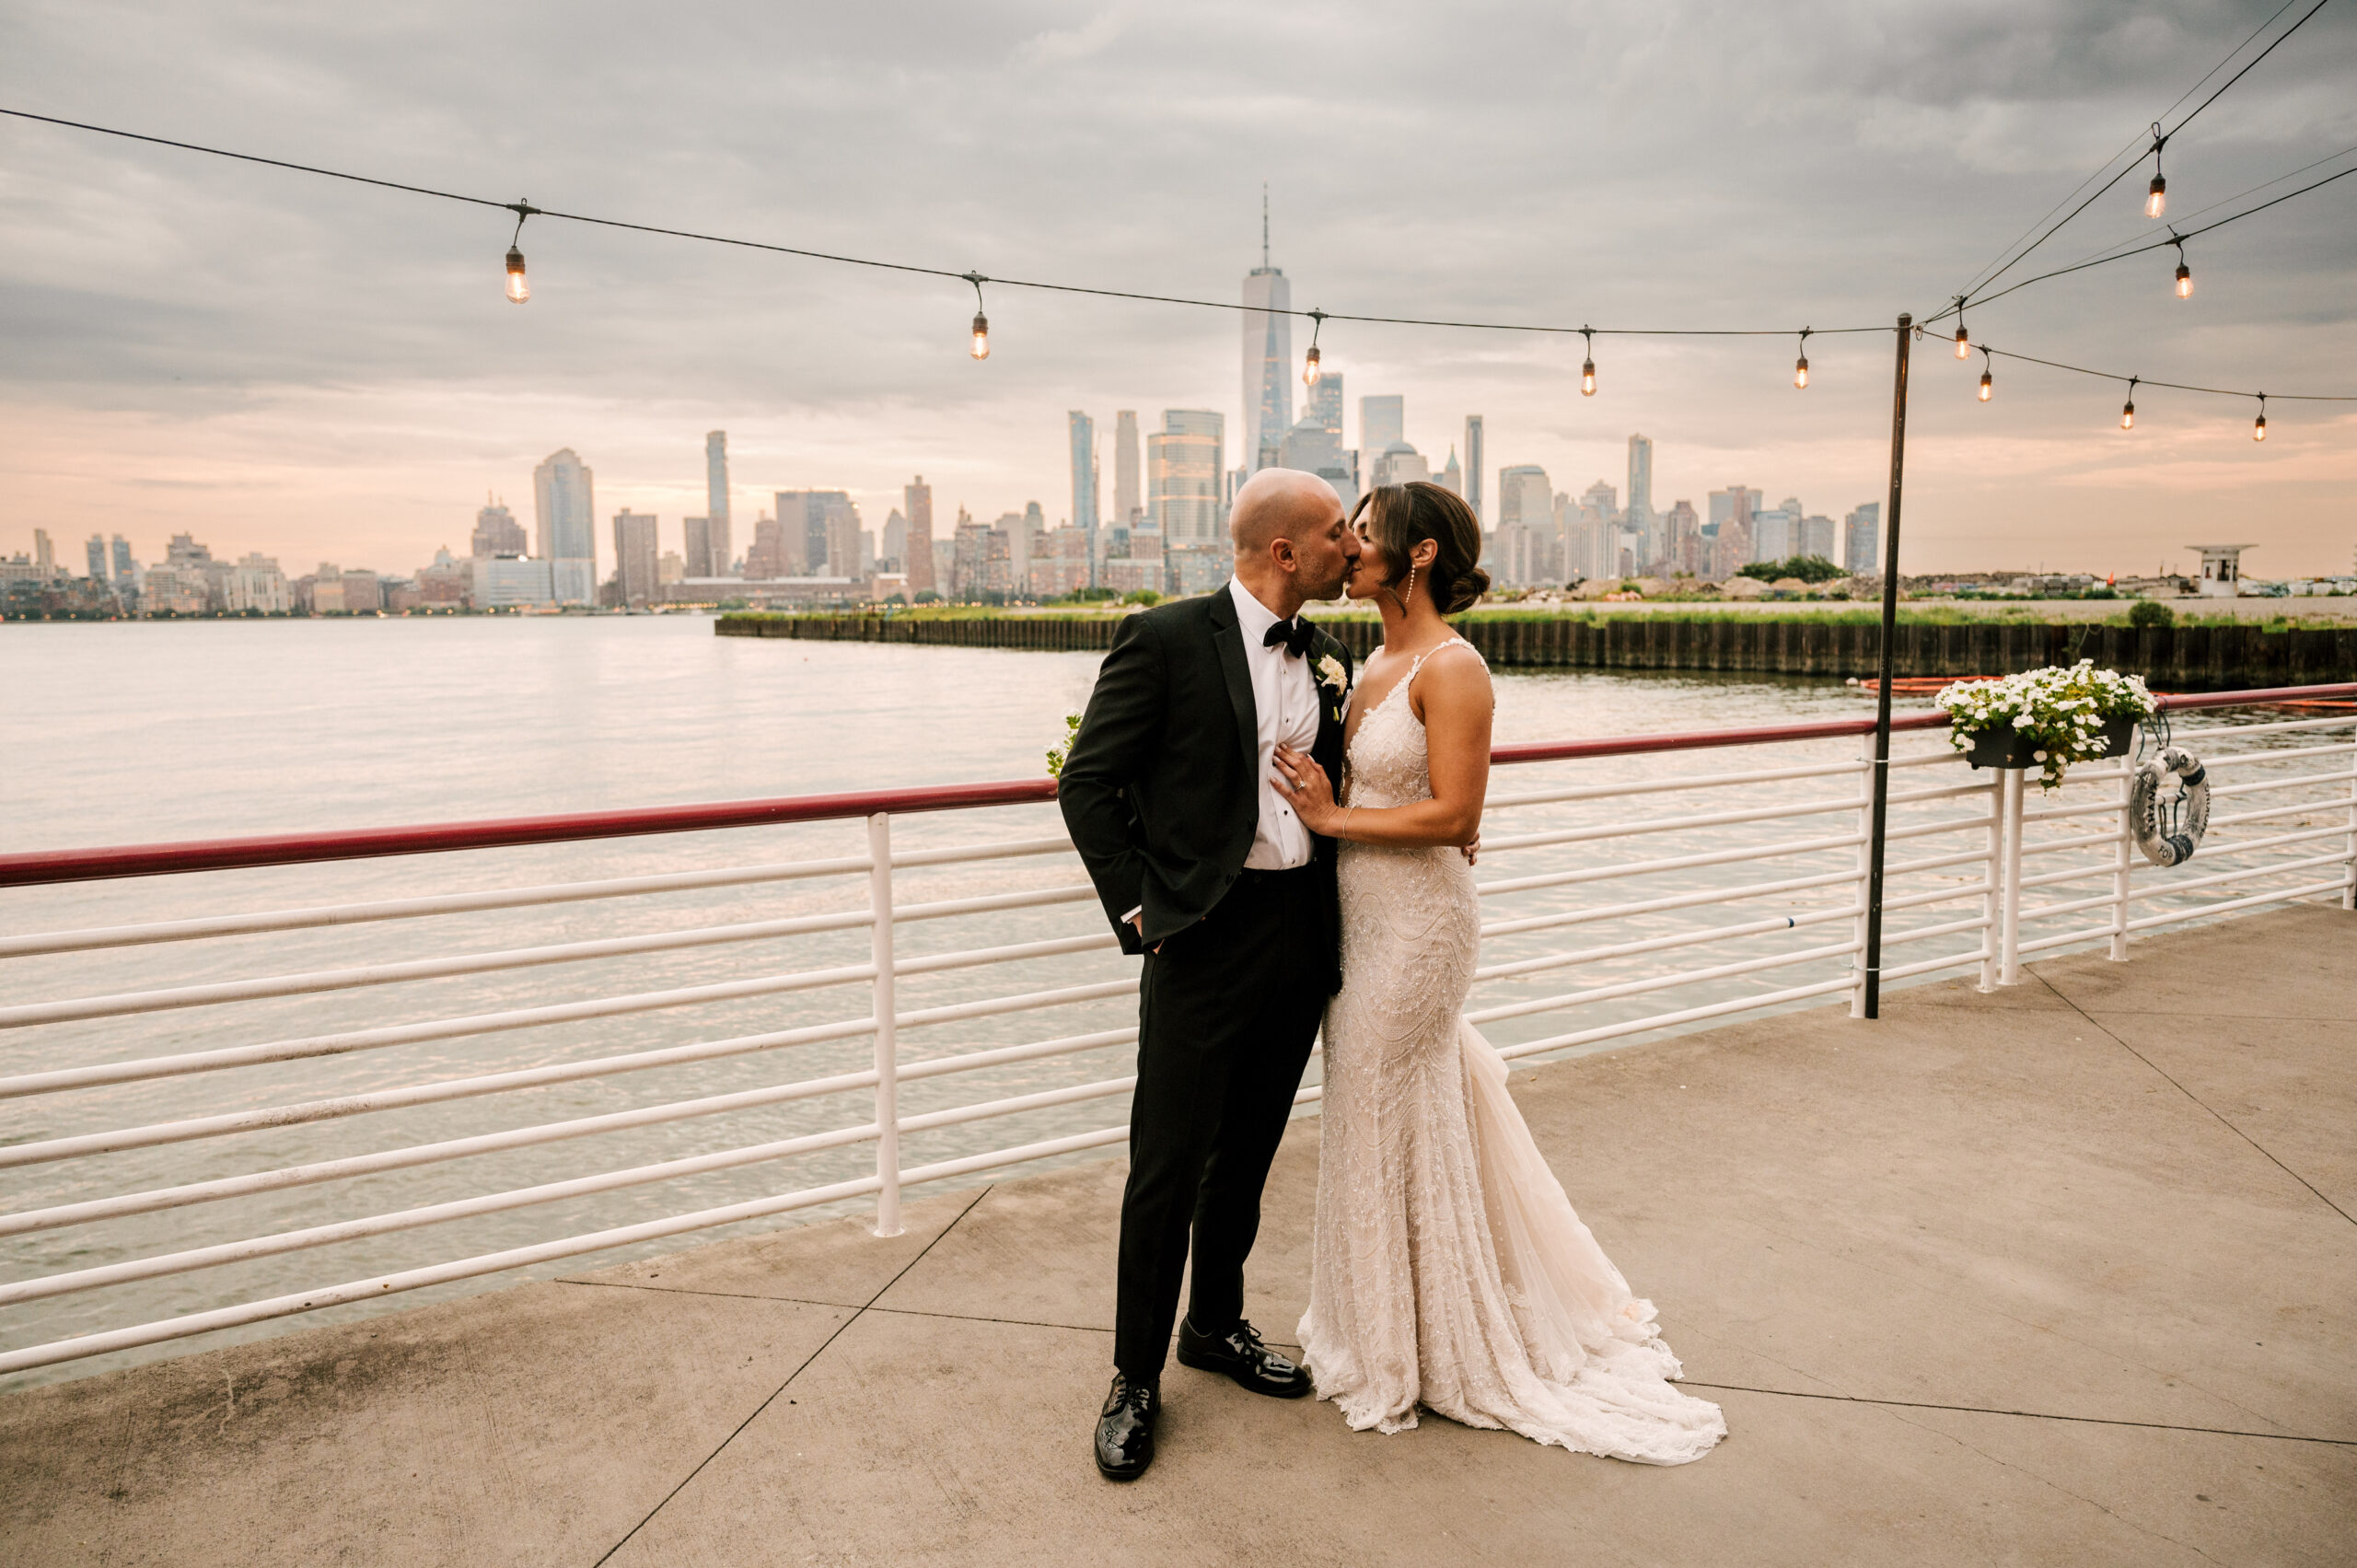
[[2184, 273], [1988, 376], [1963, 342], [2259, 431], [519, 291], [2156, 199], [1310, 366], [1800, 367], [1587, 370], [982, 323], [2128, 409]]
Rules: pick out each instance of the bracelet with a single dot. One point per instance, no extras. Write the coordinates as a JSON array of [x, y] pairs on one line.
[[1342, 828]]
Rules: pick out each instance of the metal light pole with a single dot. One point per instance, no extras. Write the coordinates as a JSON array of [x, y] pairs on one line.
[[1877, 838]]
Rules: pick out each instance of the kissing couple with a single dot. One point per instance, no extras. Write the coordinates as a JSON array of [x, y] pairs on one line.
[[1288, 849]]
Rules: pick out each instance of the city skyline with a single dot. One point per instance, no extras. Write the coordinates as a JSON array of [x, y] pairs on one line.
[[326, 372]]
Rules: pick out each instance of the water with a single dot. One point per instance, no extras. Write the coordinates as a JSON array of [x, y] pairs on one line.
[[122, 734]]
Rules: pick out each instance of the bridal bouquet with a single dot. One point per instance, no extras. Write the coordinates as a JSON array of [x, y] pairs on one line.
[[1056, 754], [2048, 718]]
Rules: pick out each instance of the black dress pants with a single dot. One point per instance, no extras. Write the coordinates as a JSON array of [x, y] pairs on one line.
[[1227, 1011]]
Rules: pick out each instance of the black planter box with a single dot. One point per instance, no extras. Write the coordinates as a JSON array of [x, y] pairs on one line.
[[2008, 748]]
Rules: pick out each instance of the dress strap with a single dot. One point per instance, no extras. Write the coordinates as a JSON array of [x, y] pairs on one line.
[[1452, 643]]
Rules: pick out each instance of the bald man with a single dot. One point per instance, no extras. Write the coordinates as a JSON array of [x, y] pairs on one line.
[[1205, 870]]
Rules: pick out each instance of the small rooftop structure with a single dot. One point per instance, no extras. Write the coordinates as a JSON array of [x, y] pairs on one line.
[[2222, 569]]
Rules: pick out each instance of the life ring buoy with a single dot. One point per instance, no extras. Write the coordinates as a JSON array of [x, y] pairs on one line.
[[2168, 829]]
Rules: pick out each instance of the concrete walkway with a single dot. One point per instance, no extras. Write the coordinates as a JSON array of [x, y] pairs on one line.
[[2063, 1274]]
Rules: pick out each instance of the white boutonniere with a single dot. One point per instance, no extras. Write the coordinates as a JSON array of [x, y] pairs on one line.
[[1332, 675]]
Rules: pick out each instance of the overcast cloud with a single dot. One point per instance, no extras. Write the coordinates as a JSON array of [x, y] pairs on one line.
[[322, 371]]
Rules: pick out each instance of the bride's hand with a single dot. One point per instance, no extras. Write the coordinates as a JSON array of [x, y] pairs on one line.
[[1306, 788]]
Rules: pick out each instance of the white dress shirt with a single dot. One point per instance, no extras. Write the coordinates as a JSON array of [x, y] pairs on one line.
[[1284, 701]]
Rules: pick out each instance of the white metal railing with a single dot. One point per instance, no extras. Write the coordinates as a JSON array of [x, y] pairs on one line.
[[172, 1138]]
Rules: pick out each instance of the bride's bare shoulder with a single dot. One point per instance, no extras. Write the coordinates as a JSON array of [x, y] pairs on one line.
[[1452, 675]]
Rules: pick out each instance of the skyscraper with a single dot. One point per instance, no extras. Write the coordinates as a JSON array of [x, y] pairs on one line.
[[1268, 358], [916, 500], [635, 557], [126, 570], [97, 551], [1473, 457], [820, 533], [695, 543], [497, 532], [1862, 535], [563, 506], [1081, 430], [1129, 500], [1325, 403], [1452, 477], [715, 507], [1382, 421], [1183, 464], [1640, 520]]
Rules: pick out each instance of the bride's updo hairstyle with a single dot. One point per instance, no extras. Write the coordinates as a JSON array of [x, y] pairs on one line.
[[1401, 517]]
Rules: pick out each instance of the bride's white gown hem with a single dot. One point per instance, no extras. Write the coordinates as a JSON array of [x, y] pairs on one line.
[[1449, 1270]]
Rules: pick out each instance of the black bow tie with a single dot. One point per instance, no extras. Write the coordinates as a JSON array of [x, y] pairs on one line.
[[1294, 635]]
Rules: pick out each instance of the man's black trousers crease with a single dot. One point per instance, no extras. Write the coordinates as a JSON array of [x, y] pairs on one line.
[[1227, 1011]]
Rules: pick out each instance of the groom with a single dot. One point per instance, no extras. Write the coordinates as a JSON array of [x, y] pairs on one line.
[[1202, 867]]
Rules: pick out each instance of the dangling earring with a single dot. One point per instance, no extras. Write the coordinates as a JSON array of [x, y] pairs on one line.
[[1401, 598]]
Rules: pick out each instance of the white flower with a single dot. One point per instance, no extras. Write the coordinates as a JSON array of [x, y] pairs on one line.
[[1331, 674]]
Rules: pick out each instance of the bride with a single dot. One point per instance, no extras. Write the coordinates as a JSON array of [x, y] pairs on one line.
[[1448, 1268]]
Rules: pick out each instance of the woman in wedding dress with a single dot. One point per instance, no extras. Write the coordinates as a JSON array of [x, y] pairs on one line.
[[1448, 1268]]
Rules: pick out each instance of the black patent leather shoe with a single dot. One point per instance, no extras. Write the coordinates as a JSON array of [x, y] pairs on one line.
[[1239, 1354], [1125, 1430]]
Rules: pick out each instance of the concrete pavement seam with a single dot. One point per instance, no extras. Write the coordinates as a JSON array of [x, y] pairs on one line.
[[2026, 1415], [2094, 1024], [857, 1313]]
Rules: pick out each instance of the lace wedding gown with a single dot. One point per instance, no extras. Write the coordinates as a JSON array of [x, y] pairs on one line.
[[1448, 1268]]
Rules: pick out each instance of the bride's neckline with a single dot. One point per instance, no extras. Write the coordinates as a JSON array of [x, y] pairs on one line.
[[1359, 719]]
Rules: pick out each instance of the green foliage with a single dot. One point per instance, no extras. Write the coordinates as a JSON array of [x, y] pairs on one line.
[[1142, 595], [1056, 754], [2151, 612], [928, 597], [1807, 568]]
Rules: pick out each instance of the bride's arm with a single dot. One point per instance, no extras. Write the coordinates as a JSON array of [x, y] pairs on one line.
[[1456, 700]]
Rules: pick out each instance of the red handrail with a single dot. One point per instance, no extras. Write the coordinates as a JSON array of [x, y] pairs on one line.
[[361, 843]]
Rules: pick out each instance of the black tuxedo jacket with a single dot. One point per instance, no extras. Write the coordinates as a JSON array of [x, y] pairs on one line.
[[1160, 790]]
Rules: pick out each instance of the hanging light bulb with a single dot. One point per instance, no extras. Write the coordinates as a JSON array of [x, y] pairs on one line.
[[981, 349], [518, 289], [1988, 380], [1800, 367], [2184, 273], [1310, 366], [2156, 198], [2128, 409], [1587, 369], [2259, 431]]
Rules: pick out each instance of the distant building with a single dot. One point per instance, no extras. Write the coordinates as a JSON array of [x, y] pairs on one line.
[[1529, 538], [1817, 538], [44, 555], [1197, 567], [97, 549], [256, 586], [636, 552], [715, 505], [917, 561], [1775, 534], [894, 550], [1267, 360], [2222, 569], [497, 532], [563, 509], [1682, 540], [507, 582], [1640, 515], [1861, 539], [126, 570], [819, 533], [445, 582], [1474, 458], [1060, 563], [1382, 421], [173, 590], [1129, 492], [695, 542], [1399, 464], [1184, 463], [767, 557]]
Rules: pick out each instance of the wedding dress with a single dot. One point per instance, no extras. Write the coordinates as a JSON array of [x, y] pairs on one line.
[[1449, 1269]]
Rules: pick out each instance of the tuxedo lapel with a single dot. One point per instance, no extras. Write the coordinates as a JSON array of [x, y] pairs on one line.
[[1228, 639], [1329, 747]]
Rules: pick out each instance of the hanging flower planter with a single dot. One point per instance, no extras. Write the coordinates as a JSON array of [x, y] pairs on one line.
[[2046, 719]]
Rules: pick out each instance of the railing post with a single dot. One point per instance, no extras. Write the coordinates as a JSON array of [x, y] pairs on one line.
[[888, 1064], [1992, 872], [1866, 876], [2009, 925], [2120, 862]]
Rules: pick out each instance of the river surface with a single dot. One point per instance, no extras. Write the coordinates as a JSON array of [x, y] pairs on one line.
[[148, 733]]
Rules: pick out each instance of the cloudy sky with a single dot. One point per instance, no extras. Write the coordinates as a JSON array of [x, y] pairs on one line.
[[326, 372]]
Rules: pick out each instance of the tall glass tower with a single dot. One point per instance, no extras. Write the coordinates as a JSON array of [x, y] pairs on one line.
[[1268, 358], [565, 508], [716, 480]]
